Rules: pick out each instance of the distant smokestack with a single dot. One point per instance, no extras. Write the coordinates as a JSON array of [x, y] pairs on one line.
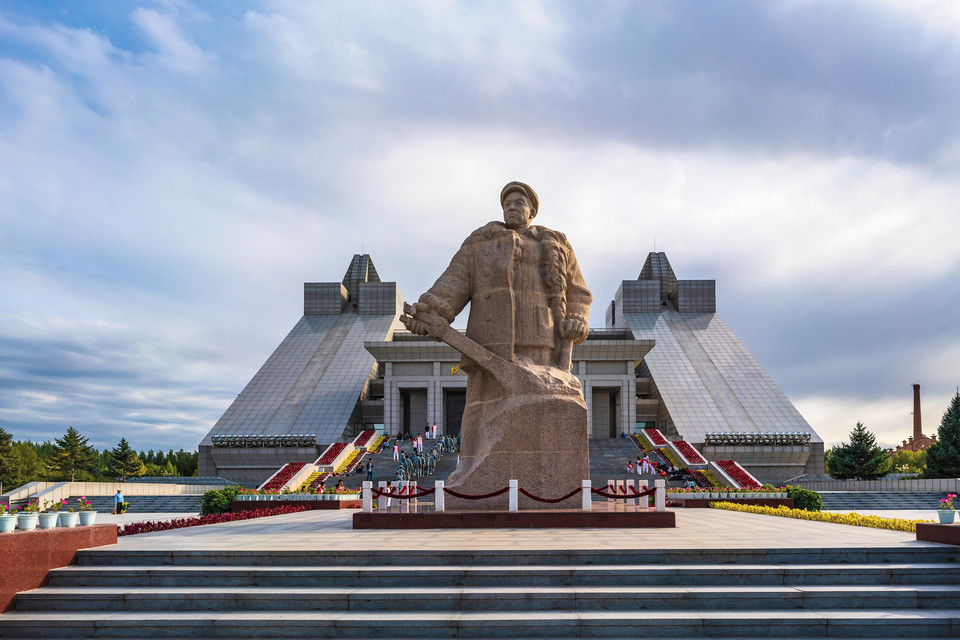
[[917, 431]]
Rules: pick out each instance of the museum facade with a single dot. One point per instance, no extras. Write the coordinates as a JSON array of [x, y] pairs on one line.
[[665, 359]]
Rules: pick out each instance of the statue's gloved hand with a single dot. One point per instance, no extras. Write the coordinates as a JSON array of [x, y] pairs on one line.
[[574, 330]]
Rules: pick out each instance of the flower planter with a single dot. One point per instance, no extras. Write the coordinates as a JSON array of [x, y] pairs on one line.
[[47, 520], [69, 518], [7, 523], [27, 521], [946, 517], [87, 518]]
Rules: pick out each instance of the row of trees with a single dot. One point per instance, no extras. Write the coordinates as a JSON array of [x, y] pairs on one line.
[[862, 459], [73, 458]]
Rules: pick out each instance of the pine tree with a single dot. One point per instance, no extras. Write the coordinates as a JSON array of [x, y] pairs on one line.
[[73, 454], [125, 461], [9, 471], [861, 459], [943, 456]]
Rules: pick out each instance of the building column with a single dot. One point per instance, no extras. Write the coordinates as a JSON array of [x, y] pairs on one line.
[[588, 398]]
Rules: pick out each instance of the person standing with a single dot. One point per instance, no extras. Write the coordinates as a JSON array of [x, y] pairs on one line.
[[396, 449], [118, 501], [369, 468]]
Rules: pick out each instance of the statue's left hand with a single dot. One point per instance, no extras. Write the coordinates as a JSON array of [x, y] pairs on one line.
[[574, 330]]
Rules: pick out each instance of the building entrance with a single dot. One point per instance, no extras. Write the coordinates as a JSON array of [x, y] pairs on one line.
[[606, 412], [454, 401]]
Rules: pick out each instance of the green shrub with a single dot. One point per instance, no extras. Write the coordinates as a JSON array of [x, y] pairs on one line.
[[217, 500], [804, 499]]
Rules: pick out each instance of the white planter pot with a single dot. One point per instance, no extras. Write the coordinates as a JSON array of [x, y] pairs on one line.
[[7, 523], [946, 517], [47, 520], [69, 518], [87, 518], [27, 521]]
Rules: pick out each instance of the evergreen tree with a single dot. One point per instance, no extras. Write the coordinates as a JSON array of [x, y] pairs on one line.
[[30, 466], [125, 461], [9, 469], [73, 454], [943, 456], [861, 459]]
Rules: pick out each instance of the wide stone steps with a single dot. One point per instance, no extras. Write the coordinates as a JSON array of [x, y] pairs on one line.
[[645, 593], [744, 598], [546, 575], [500, 624], [850, 500]]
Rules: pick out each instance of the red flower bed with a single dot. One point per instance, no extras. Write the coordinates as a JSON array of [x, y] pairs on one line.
[[353, 463], [283, 476], [655, 437], [364, 437], [733, 470], [331, 453], [215, 518], [689, 452]]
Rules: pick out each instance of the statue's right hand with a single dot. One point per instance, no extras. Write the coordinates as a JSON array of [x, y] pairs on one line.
[[410, 321]]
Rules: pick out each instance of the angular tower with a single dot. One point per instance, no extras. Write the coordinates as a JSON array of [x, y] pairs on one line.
[[309, 391], [703, 386]]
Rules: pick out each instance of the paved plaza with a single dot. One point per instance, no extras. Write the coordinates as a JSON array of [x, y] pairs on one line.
[[696, 529]]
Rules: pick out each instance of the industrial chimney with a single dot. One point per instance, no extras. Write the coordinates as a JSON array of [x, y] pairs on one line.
[[917, 431]]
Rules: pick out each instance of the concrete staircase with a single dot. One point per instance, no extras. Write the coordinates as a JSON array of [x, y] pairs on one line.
[[147, 504], [849, 500], [742, 593]]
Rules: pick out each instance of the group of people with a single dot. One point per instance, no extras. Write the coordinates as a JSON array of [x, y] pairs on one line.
[[418, 463], [643, 465]]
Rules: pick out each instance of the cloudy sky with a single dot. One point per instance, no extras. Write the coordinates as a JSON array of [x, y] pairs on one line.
[[171, 173]]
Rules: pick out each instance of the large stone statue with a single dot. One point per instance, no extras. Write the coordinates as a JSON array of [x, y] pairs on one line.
[[525, 417]]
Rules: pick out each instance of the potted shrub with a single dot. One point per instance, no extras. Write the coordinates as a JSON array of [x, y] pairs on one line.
[[47, 519], [946, 512], [8, 518], [28, 517], [87, 515]]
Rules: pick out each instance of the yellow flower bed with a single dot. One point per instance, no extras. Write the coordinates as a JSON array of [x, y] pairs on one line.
[[855, 519], [347, 461]]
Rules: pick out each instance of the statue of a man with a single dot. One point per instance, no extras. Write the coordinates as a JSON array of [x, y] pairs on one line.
[[525, 418], [529, 301]]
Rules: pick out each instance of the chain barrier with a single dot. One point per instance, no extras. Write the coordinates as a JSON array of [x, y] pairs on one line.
[[549, 500], [402, 495]]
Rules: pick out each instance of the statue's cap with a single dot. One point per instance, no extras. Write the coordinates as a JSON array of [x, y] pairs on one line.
[[527, 191]]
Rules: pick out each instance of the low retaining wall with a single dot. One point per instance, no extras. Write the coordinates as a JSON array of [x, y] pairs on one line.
[[27, 556], [944, 533], [252, 505], [703, 503]]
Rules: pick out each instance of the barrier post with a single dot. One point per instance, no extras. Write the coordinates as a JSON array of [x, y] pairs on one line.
[[438, 495], [514, 496], [661, 494], [585, 495], [412, 490], [630, 501], [367, 496], [382, 500], [612, 488], [405, 504], [645, 500]]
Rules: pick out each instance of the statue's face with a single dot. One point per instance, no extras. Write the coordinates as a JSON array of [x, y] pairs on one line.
[[517, 212]]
